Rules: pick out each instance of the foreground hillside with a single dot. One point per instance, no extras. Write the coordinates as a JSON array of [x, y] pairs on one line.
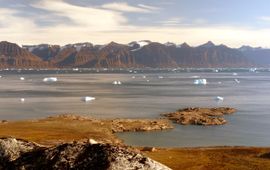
[[135, 54], [96, 145]]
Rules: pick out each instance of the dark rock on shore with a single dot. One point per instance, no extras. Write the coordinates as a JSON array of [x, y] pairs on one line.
[[21, 154], [200, 116]]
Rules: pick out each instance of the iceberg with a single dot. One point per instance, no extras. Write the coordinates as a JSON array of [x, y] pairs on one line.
[[195, 77], [133, 77], [50, 79], [88, 98], [219, 99], [21, 78], [253, 70], [200, 81], [160, 77], [22, 100], [234, 74], [143, 77], [237, 81], [117, 82]]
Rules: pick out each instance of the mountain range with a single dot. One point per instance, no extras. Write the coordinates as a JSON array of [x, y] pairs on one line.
[[135, 54]]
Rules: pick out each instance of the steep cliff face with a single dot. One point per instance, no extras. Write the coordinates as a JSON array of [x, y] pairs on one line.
[[257, 55], [44, 51], [154, 55], [11, 55]]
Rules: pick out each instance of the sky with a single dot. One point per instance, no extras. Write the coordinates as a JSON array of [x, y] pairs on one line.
[[230, 22]]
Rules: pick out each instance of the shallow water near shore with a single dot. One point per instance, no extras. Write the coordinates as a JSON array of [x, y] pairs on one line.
[[146, 94]]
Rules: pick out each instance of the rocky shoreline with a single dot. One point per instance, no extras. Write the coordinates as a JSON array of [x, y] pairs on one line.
[[68, 127], [200, 116]]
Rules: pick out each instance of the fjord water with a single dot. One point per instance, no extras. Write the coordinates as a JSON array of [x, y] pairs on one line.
[[164, 91]]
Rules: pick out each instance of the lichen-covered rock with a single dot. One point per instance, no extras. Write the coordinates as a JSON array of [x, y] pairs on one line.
[[200, 116], [18, 154]]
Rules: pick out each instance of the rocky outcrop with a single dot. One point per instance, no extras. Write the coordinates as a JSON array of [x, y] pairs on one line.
[[200, 116], [265, 155], [20, 154], [135, 125]]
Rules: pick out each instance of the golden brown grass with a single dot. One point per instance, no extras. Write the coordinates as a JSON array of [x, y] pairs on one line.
[[55, 130], [219, 158]]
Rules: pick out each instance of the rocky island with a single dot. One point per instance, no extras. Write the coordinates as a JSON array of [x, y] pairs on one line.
[[200, 116]]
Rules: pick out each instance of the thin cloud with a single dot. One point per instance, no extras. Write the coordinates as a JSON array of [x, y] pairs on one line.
[[148, 7], [124, 7]]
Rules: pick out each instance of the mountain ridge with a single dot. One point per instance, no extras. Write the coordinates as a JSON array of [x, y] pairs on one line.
[[139, 54]]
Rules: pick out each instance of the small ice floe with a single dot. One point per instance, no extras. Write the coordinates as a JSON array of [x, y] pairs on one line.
[[143, 77], [195, 77], [75, 69], [0, 76], [237, 81], [88, 98], [216, 71], [219, 82], [50, 79], [200, 81], [160, 77], [133, 77], [22, 100], [234, 74], [147, 80], [219, 99], [117, 82], [22, 78], [252, 69]]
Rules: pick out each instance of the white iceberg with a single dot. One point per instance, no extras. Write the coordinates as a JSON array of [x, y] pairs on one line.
[[143, 77], [50, 79], [234, 74], [200, 81], [117, 82], [0, 76], [88, 98], [133, 77], [22, 78], [22, 100], [237, 81], [195, 77], [160, 77], [253, 69], [219, 99]]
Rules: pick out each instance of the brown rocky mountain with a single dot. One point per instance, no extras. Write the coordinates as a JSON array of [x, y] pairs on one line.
[[257, 55], [135, 54], [11, 55]]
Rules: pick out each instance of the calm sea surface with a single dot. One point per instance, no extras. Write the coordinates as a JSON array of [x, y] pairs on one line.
[[146, 94]]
